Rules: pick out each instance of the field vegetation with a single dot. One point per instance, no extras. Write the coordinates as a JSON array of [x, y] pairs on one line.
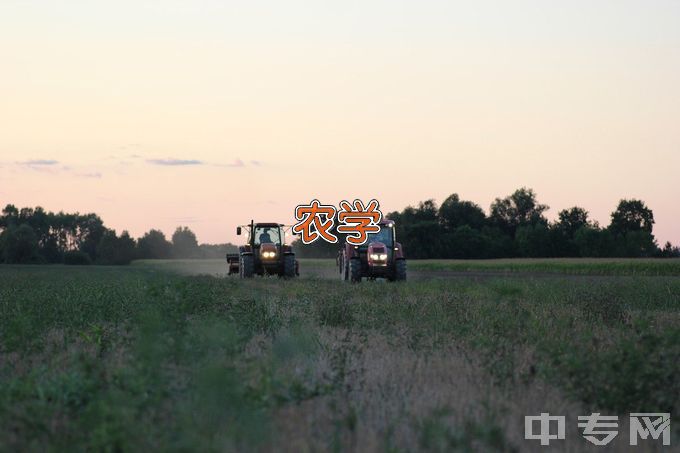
[[150, 357]]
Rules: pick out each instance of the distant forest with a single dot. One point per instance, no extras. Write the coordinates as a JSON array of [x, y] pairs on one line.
[[35, 236], [515, 227]]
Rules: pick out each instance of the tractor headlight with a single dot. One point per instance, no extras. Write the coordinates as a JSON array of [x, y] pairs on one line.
[[378, 256], [268, 254]]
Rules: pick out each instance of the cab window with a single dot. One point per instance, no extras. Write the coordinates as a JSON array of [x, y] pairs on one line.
[[267, 235]]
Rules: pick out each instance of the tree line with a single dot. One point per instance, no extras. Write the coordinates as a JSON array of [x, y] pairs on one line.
[[33, 235], [516, 226]]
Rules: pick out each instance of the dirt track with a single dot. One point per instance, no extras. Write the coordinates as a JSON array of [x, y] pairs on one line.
[[325, 269], [418, 274]]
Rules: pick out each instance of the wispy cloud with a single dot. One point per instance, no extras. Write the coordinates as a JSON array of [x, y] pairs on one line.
[[174, 162], [54, 167], [95, 175], [237, 163], [39, 162]]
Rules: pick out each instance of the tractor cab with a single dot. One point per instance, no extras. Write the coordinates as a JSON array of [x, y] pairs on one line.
[[264, 233], [385, 236]]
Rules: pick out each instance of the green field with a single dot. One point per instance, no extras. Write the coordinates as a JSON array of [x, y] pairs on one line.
[[153, 356]]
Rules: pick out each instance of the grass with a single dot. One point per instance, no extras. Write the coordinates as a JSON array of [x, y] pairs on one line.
[[148, 357]]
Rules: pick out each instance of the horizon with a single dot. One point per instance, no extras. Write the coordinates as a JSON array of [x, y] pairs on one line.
[[208, 115], [168, 234]]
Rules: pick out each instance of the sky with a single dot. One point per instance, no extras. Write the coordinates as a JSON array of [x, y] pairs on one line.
[[155, 114]]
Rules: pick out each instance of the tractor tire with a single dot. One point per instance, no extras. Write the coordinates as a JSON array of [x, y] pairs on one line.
[[400, 270], [289, 266], [246, 266], [354, 270]]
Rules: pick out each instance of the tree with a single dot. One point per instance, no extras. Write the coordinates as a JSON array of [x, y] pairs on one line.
[[10, 216], [89, 231], [115, 250], [498, 243], [631, 215], [520, 208], [420, 228], [153, 245], [533, 240], [35, 235], [184, 243], [19, 244], [454, 213], [571, 220], [126, 249], [594, 242], [637, 244], [669, 251], [464, 242]]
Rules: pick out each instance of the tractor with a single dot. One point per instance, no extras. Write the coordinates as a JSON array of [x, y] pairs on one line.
[[381, 256], [266, 252]]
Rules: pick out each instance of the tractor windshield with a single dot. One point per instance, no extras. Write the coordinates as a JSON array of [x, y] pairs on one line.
[[267, 235], [384, 235]]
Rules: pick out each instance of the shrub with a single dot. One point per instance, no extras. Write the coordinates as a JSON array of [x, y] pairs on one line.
[[76, 257], [335, 312]]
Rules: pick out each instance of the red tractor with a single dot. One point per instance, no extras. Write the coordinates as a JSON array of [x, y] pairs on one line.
[[266, 252], [380, 257]]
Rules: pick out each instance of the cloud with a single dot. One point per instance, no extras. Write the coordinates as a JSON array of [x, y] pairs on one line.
[[39, 162], [237, 163], [54, 167], [95, 174], [174, 162]]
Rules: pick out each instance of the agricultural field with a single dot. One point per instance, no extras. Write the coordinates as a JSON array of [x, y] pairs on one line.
[[174, 355]]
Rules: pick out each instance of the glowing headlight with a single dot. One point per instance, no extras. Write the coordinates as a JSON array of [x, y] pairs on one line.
[[378, 256], [268, 254]]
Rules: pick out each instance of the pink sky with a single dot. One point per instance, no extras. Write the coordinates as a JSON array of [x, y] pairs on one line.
[[158, 114]]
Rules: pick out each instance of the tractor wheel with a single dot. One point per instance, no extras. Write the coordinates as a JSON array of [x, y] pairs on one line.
[[289, 266], [246, 266], [354, 270], [400, 270]]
